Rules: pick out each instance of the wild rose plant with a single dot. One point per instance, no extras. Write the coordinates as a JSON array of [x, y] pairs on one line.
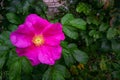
[[38, 40]]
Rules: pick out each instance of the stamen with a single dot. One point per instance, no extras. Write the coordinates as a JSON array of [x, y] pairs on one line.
[[38, 40]]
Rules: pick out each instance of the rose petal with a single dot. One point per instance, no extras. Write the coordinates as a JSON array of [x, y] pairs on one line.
[[25, 29], [37, 22], [48, 55], [20, 40], [31, 53], [53, 34], [55, 52]]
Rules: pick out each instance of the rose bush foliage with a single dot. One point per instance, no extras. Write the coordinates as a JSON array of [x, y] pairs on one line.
[[90, 51]]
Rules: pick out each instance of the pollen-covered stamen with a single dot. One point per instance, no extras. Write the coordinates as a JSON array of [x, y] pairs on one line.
[[38, 40]]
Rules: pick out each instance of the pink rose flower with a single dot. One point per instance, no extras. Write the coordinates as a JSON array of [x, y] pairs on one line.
[[38, 40]]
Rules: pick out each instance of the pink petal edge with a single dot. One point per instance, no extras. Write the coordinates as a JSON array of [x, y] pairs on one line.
[[20, 40], [49, 54]]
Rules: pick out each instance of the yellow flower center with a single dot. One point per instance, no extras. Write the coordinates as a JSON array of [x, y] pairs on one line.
[[38, 40]]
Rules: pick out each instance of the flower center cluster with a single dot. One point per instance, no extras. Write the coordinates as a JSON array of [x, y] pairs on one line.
[[38, 40]]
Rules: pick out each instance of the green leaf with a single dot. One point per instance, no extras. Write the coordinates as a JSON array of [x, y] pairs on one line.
[[56, 72], [26, 6], [103, 27], [57, 76], [40, 8], [12, 27], [0, 77], [3, 48], [4, 35], [61, 70], [8, 43], [2, 61], [4, 39], [12, 18], [92, 32], [78, 23], [67, 18], [15, 70], [92, 20], [70, 32], [69, 60], [116, 74], [12, 57], [82, 7], [72, 46], [103, 65], [115, 65], [80, 56], [47, 74], [26, 65], [115, 46], [105, 46], [111, 33], [64, 44]]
